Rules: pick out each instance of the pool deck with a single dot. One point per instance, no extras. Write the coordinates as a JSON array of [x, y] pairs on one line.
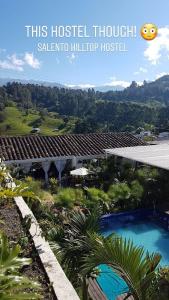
[[95, 292]]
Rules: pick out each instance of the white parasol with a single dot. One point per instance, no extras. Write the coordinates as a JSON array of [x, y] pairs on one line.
[[80, 172]]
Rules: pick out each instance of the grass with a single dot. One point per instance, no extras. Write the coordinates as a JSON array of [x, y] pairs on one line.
[[17, 122]]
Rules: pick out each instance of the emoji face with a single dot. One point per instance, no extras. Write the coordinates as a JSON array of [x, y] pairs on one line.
[[149, 31]]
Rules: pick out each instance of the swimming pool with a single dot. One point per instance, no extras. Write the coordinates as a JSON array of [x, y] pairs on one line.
[[144, 231]]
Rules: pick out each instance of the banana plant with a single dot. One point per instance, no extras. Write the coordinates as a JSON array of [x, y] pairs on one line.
[[13, 286]]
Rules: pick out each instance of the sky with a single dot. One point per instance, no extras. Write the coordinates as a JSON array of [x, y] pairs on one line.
[[20, 57]]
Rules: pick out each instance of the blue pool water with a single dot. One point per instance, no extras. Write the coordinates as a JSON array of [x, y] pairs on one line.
[[143, 233]]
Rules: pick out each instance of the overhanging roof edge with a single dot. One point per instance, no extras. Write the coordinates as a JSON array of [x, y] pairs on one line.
[[136, 153]]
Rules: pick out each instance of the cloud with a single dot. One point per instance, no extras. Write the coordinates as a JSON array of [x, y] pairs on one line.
[[80, 86], [12, 63], [155, 47], [31, 60], [115, 82], [161, 75], [71, 58], [141, 70], [140, 83], [7, 65], [15, 63]]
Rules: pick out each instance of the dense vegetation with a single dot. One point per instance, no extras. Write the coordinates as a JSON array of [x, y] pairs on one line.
[[69, 219], [60, 110]]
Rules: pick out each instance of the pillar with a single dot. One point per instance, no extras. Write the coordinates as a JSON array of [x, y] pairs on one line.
[[45, 167], [60, 165], [74, 162]]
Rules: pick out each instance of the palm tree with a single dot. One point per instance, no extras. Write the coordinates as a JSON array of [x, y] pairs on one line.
[[81, 250], [71, 244], [130, 262]]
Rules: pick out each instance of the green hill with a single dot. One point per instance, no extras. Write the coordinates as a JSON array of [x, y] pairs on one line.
[[16, 122], [59, 110]]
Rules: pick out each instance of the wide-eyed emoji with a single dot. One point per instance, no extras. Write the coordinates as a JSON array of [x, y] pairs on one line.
[[149, 31]]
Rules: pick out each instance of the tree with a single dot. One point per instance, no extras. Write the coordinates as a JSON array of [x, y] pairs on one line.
[[72, 244], [149, 179], [137, 191], [137, 268]]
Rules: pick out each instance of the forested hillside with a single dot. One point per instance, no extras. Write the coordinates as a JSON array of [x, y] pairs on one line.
[[58, 110]]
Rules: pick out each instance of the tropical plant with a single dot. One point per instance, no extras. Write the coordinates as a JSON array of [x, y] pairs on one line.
[[70, 244], [8, 190], [2, 171], [68, 197], [126, 172], [108, 172], [54, 185], [147, 174], [35, 186], [149, 179], [13, 286], [137, 191], [96, 198], [128, 261], [20, 190], [119, 194]]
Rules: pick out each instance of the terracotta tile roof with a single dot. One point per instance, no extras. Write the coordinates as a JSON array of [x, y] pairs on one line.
[[29, 147]]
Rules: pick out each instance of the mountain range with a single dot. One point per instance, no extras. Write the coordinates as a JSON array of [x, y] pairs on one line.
[[4, 81], [147, 89]]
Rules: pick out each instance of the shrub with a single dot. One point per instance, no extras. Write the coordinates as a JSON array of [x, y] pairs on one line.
[[95, 197], [36, 123], [35, 186], [53, 184], [68, 197], [146, 174], [120, 194], [137, 191]]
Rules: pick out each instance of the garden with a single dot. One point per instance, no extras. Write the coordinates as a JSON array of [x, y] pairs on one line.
[[69, 218]]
